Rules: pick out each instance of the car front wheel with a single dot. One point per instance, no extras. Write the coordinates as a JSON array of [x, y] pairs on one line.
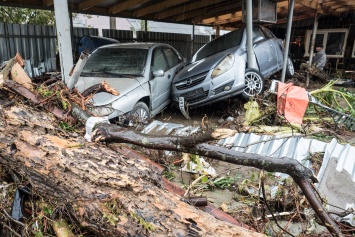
[[140, 113], [254, 83]]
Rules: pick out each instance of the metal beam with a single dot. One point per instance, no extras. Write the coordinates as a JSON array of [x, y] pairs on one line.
[[125, 5], [89, 4], [157, 7], [186, 8]]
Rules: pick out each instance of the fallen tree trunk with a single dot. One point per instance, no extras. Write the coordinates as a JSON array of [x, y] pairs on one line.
[[301, 174], [101, 190]]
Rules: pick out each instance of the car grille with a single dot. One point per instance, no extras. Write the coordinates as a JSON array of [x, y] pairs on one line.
[[196, 98], [221, 88], [191, 81]]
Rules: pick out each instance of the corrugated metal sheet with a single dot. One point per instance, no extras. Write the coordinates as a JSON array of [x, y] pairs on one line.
[[339, 193], [295, 147]]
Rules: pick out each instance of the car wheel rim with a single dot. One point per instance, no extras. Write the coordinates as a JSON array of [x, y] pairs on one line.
[[140, 116], [253, 84]]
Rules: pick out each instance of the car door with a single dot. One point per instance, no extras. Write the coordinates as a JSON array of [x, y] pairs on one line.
[[265, 53], [277, 47], [160, 86]]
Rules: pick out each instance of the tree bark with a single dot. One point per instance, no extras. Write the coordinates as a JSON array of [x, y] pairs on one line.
[[106, 192]]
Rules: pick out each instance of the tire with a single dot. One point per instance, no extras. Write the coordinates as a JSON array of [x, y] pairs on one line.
[[140, 113], [290, 70], [254, 84]]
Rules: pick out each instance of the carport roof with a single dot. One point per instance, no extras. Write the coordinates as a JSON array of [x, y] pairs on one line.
[[226, 14]]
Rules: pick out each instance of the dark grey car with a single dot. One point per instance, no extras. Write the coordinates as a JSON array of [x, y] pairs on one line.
[[218, 70]]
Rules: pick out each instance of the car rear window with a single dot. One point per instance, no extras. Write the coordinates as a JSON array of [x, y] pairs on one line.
[[220, 44], [117, 61]]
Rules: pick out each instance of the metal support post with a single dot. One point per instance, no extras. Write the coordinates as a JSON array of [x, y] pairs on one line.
[[287, 40], [64, 38]]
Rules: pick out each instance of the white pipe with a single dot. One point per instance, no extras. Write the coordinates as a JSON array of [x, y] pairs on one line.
[[73, 79], [64, 38]]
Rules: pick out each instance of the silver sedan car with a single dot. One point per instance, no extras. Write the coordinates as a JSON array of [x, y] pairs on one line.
[[218, 70], [141, 73]]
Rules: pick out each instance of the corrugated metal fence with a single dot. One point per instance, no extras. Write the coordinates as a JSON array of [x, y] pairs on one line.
[[37, 44]]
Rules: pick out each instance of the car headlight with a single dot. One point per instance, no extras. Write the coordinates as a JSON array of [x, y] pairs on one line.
[[223, 66], [100, 111]]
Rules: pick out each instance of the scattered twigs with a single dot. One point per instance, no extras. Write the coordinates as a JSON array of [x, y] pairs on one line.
[[193, 183], [12, 219], [268, 206], [10, 229], [21, 90]]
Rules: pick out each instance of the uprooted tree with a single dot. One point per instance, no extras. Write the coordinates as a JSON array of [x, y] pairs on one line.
[[97, 187]]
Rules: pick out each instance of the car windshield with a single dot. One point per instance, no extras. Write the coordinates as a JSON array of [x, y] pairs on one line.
[[220, 44], [116, 62]]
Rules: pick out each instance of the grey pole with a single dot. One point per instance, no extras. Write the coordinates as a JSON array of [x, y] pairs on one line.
[[112, 23], [193, 40], [64, 38], [313, 40], [250, 53], [287, 40]]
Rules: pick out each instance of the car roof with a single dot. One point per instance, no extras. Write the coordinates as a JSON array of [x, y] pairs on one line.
[[135, 45]]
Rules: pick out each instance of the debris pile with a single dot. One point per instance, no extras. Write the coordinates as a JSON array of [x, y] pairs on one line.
[[293, 197]]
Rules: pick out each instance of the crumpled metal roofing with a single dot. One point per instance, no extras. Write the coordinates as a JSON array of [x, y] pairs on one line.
[[295, 147]]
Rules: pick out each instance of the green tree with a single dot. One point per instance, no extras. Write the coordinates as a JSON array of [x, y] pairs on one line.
[[26, 16], [142, 23]]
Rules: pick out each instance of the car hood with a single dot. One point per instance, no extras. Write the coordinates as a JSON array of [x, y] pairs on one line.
[[202, 65], [121, 85]]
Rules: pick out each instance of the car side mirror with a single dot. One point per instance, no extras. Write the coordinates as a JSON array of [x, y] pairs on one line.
[[158, 73], [258, 39]]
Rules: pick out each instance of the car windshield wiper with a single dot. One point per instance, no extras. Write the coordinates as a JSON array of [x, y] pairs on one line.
[[129, 75], [102, 72]]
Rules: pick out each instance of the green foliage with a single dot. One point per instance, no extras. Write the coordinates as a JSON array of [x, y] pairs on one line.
[[168, 175], [64, 104], [148, 226], [341, 100], [114, 207], [67, 127], [196, 160], [110, 218], [26, 16], [204, 179], [38, 234], [44, 91], [142, 23], [47, 211], [224, 182]]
